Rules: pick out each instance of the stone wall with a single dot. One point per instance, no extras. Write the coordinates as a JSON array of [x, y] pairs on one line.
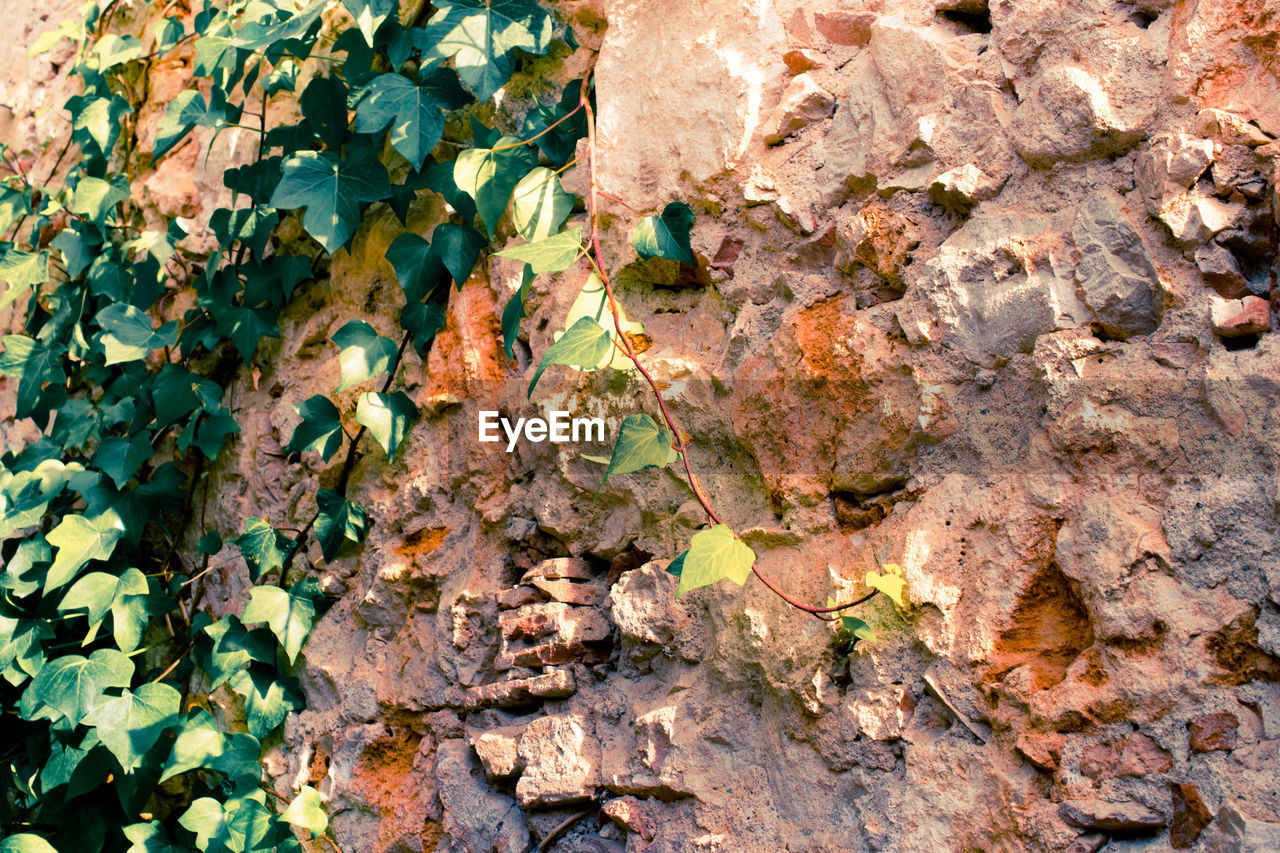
[[991, 297]]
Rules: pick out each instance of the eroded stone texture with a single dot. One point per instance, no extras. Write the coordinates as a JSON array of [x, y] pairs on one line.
[[995, 309]]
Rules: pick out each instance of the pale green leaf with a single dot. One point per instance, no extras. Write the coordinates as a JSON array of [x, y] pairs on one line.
[[715, 554]]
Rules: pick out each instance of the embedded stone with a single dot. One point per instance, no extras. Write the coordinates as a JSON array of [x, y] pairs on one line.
[[849, 29], [562, 762], [959, 189], [498, 750], [1103, 816], [803, 103], [1213, 732], [1229, 128], [1067, 116], [1190, 815], [1193, 219], [558, 684], [1222, 271], [1115, 273], [1234, 318]]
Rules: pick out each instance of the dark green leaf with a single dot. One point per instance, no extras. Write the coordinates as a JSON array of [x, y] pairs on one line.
[[514, 313], [418, 269], [320, 430], [584, 346], [412, 111], [339, 520], [263, 547], [422, 320], [666, 236], [332, 191], [266, 700], [458, 248], [120, 458], [369, 15]]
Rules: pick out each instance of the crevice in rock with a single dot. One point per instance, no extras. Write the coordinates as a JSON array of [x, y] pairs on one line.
[[855, 512], [1050, 627], [970, 19]]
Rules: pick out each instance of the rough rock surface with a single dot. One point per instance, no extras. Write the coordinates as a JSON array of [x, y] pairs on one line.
[[971, 323]]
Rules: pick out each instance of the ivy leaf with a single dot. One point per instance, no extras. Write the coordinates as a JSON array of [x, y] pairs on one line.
[[483, 35], [229, 648], [289, 616], [489, 175], [540, 205], [855, 626], [263, 547], [369, 15], [458, 248], [266, 701], [264, 32], [676, 567], [387, 416], [332, 191], [201, 744], [183, 114], [362, 353], [413, 112], [26, 842], [120, 458], [514, 313], [641, 444], [339, 520], [112, 50], [96, 198], [714, 554], [21, 271], [206, 818], [96, 121], [666, 236], [553, 254], [130, 724], [78, 541], [127, 333], [558, 142], [73, 685], [307, 811], [320, 430], [888, 583], [422, 320], [148, 838], [417, 268], [98, 593], [583, 346]]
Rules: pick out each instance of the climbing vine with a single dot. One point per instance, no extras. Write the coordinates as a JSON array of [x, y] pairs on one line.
[[115, 679]]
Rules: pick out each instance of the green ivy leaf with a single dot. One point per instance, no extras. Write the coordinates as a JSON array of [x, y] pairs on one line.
[[369, 15], [559, 135], [127, 333], [97, 593], [490, 175], [120, 458], [855, 626], [417, 267], [362, 353], [266, 32], [583, 346], [483, 36], [131, 723], [267, 702], [339, 520], [552, 254], [201, 744], [182, 115], [321, 427], [890, 584], [641, 444], [387, 416], [73, 685], [112, 50], [422, 320], [96, 122], [96, 198], [21, 271], [514, 313], [539, 205], [307, 811], [26, 842], [263, 547], [78, 541], [666, 236], [714, 554], [332, 190], [230, 647], [148, 838], [458, 248], [289, 616], [206, 818], [413, 112]]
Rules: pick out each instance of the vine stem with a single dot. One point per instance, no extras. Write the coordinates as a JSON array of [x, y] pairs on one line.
[[681, 446]]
